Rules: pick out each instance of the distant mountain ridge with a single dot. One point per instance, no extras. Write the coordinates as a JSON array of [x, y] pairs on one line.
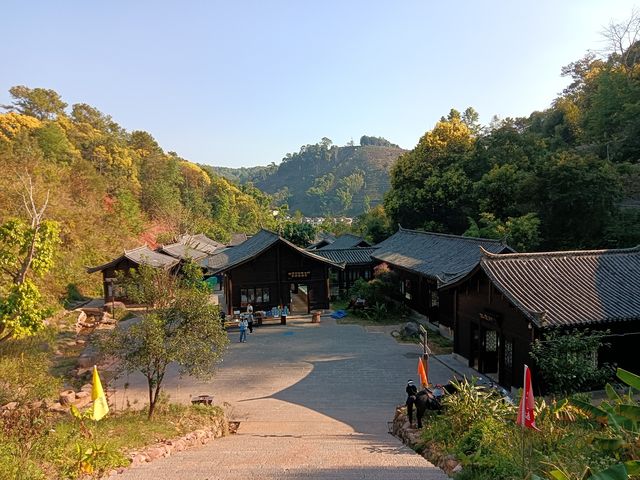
[[324, 179]]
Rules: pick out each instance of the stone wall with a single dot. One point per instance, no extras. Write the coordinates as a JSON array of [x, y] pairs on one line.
[[166, 448], [412, 437]]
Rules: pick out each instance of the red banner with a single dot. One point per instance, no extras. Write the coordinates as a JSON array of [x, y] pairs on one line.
[[527, 405]]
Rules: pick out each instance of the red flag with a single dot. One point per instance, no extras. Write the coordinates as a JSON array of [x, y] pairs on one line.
[[423, 369], [527, 403]]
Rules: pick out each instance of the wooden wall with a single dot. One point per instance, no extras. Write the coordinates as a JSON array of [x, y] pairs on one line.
[[271, 270]]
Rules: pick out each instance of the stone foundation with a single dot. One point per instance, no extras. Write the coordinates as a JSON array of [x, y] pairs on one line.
[[412, 437], [166, 448]]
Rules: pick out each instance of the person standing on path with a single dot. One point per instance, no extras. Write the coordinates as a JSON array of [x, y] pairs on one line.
[[250, 315], [243, 330]]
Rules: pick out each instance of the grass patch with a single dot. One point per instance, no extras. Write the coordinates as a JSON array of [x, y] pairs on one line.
[[25, 369], [37, 445]]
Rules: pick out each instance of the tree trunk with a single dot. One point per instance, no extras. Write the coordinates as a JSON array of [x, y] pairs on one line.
[[152, 399], [26, 263]]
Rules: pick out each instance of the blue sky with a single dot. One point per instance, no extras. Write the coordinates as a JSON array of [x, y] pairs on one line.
[[241, 83]]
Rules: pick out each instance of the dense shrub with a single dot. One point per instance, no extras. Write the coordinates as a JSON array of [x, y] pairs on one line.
[[479, 427]]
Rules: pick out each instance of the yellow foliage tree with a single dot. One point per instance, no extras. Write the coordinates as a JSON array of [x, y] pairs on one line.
[[12, 124]]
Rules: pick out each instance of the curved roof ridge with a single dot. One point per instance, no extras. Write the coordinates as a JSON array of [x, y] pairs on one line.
[[141, 247], [350, 248], [558, 253], [451, 235]]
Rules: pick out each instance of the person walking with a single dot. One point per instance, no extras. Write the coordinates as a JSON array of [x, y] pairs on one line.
[[243, 330], [250, 315], [412, 392]]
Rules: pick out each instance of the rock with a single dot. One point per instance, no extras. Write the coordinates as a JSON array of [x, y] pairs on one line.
[[67, 397], [58, 407], [450, 463], [87, 387], [107, 319], [457, 468], [410, 329], [80, 341], [82, 317], [82, 399], [36, 404], [10, 406], [154, 453]]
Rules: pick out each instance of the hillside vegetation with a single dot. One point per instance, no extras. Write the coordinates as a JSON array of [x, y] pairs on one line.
[[324, 179], [109, 189], [564, 178]]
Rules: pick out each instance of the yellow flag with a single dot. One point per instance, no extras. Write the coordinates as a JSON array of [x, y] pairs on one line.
[[100, 405]]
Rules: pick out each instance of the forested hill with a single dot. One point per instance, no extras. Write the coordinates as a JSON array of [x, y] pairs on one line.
[[109, 188], [325, 179]]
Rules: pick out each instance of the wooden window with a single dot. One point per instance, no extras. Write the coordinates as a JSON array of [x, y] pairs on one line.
[[254, 295], [435, 301], [508, 353]]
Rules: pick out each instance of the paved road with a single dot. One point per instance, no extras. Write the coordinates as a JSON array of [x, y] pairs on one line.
[[313, 401]]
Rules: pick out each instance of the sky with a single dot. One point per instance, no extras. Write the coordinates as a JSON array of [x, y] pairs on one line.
[[241, 83]]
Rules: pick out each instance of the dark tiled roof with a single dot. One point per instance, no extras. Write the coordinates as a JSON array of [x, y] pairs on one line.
[[322, 239], [237, 239], [569, 288], [183, 251], [201, 242], [141, 256], [250, 249], [348, 256], [346, 240], [438, 256]]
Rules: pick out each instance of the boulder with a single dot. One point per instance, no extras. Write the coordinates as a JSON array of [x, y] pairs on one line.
[[10, 406], [58, 407], [410, 329], [67, 397]]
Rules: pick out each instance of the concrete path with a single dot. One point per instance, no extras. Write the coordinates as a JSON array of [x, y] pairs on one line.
[[313, 401]]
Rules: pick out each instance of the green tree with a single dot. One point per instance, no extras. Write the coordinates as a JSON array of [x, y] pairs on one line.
[[578, 199], [568, 361], [301, 234], [180, 326], [429, 186], [27, 249], [520, 233], [55, 145], [374, 225], [40, 103]]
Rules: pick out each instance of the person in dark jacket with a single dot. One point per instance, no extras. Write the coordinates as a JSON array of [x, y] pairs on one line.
[[412, 392]]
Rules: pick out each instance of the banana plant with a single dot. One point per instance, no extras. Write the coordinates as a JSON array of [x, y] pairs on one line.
[[620, 414]]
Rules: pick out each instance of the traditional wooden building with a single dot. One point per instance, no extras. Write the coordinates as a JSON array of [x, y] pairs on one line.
[[189, 247], [357, 264], [266, 270], [131, 259], [346, 240], [426, 260], [508, 301]]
